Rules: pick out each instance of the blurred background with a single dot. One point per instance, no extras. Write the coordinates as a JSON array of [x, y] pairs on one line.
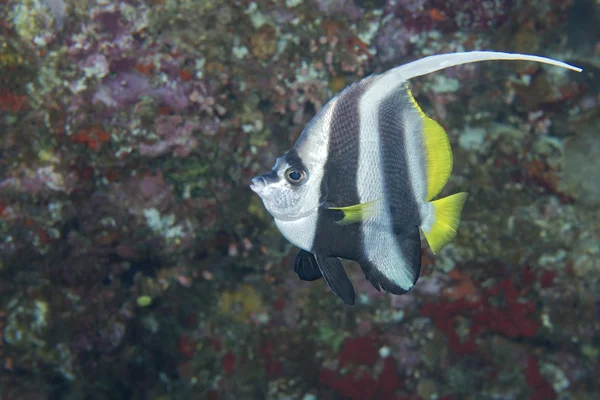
[[135, 263]]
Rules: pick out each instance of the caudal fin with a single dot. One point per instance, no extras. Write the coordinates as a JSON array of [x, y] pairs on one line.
[[447, 219]]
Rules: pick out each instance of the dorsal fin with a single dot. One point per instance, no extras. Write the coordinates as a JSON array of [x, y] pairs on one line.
[[437, 145], [391, 80], [438, 153], [438, 62]]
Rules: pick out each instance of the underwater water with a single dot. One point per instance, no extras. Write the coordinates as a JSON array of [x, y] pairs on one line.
[[136, 263]]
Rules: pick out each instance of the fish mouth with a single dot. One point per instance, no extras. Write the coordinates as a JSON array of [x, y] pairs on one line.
[[258, 184]]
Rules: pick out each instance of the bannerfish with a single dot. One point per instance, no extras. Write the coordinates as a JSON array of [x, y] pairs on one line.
[[362, 178]]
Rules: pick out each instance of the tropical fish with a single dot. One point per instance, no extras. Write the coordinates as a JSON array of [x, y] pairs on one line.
[[362, 178]]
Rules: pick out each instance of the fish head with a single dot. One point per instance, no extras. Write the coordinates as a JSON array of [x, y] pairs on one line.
[[292, 190], [296, 186]]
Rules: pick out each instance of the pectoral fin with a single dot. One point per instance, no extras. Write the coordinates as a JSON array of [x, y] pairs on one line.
[[356, 213], [306, 266], [336, 277]]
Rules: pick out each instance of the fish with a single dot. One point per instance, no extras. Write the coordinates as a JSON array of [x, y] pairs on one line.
[[361, 181]]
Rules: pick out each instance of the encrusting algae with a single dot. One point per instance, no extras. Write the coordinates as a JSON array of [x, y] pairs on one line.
[[135, 262]]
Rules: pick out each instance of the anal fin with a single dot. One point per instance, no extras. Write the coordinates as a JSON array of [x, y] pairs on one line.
[[446, 212], [336, 277]]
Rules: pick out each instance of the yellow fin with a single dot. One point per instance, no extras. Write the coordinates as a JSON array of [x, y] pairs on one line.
[[447, 218], [438, 153], [357, 213]]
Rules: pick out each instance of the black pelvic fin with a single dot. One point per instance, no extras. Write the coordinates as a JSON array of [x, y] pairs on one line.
[[410, 244], [336, 277], [306, 266]]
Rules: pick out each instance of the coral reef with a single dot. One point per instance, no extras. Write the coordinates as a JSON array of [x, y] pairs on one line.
[[135, 263]]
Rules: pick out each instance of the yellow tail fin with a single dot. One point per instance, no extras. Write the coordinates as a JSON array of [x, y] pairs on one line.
[[447, 218]]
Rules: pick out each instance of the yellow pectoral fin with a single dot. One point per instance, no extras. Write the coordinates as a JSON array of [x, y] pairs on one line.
[[358, 212], [438, 153], [447, 219]]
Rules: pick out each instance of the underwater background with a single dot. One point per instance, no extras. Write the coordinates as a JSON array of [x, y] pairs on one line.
[[135, 262]]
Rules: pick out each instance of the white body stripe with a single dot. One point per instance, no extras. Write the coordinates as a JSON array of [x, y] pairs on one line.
[[300, 232], [313, 148], [379, 241], [414, 148]]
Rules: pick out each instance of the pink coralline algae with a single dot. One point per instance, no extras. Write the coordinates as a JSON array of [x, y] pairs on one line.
[[363, 374], [118, 73], [405, 8], [498, 309], [540, 388], [42, 180], [340, 7], [11, 102], [110, 34], [58, 10], [394, 40], [141, 193], [176, 137], [127, 88], [473, 15]]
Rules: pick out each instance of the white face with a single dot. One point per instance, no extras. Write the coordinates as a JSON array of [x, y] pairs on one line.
[[291, 190]]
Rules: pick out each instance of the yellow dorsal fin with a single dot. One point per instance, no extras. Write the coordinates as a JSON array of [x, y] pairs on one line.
[[437, 152], [446, 212], [358, 212]]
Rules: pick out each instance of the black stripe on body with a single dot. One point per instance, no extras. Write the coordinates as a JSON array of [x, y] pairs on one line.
[[394, 116], [339, 184], [398, 118], [410, 243]]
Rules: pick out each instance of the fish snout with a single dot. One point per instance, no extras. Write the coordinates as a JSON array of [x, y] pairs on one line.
[[258, 183]]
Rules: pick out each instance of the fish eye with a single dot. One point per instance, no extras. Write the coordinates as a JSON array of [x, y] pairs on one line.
[[295, 176]]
